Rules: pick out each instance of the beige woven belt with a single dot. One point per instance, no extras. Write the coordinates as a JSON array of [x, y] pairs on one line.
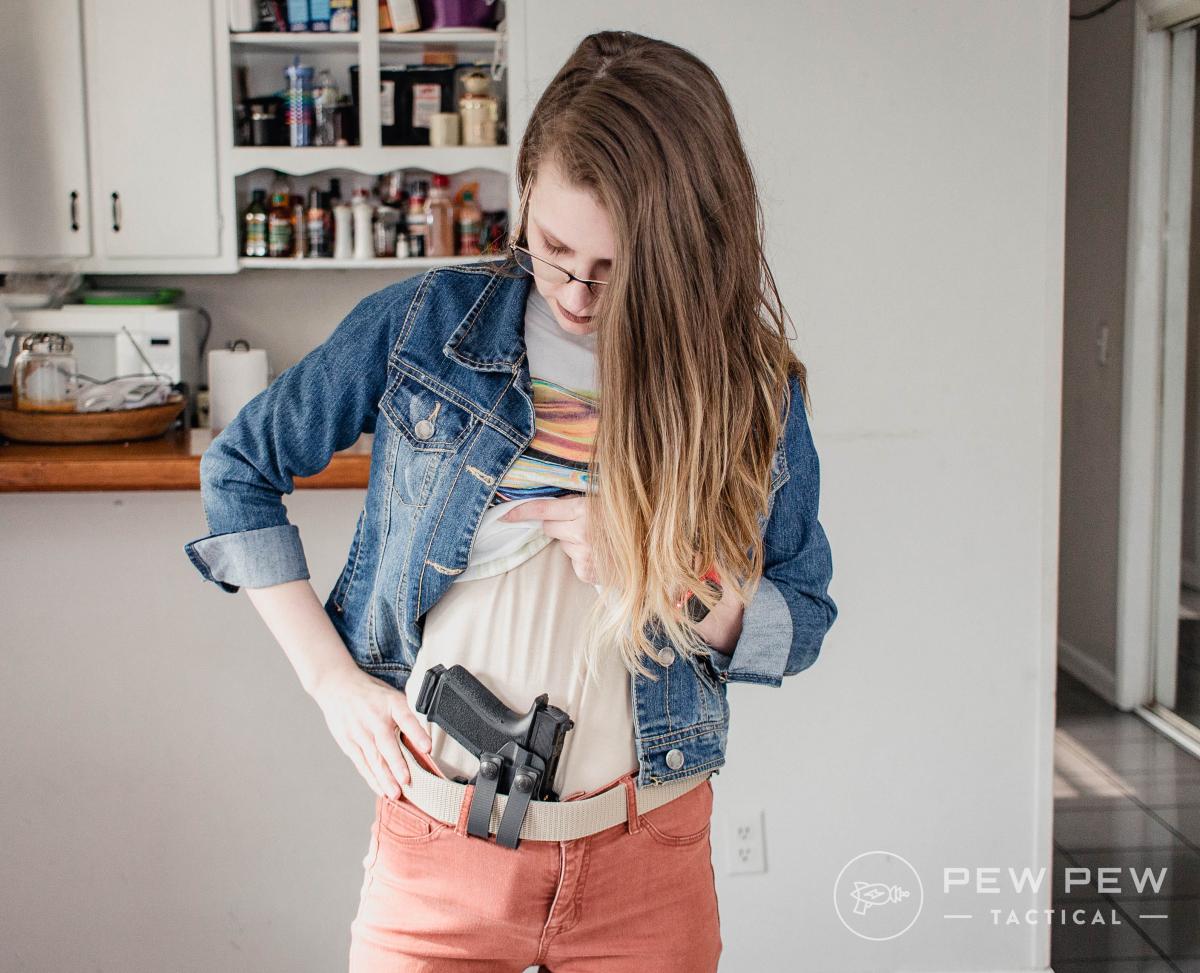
[[544, 820]]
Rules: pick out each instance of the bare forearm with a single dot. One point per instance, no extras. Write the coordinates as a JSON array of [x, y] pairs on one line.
[[297, 619]]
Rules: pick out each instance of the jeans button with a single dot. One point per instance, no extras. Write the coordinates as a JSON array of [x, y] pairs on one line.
[[423, 429], [666, 656], [674, 759]]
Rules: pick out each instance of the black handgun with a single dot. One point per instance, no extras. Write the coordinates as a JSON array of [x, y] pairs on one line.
[[518, 752]]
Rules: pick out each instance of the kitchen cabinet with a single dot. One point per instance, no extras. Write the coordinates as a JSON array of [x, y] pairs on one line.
[[43, 162], [118, 155], [152, 129], [112, 157]]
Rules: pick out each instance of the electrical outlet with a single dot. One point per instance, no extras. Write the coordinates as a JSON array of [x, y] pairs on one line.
[[745, 847]]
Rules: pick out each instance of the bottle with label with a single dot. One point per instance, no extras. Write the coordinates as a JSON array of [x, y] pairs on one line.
[[279, 220], [325, 101], [343, 231], [254, 223], [299, 228], [299, 102], [415, 218], [318, 241], [439, 219], [470, 224], [364, 240], [327, 210], [387, 225]]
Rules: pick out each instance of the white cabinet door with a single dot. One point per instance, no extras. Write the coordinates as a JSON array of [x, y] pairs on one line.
[[152, 127], [43, 162]]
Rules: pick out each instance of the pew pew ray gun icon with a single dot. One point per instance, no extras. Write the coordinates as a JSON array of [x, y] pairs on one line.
[[869, 894], [518, 752]]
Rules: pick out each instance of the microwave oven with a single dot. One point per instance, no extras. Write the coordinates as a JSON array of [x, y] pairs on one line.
[[107, 338]]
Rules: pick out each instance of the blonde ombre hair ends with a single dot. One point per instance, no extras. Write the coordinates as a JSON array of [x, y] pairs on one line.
[[692, 353]]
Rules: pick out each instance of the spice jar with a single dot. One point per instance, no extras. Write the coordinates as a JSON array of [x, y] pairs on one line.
[[479, 109], [387, 227], [44, 374]]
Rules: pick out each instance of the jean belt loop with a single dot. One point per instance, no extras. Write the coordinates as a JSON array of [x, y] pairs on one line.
[[632, 822]]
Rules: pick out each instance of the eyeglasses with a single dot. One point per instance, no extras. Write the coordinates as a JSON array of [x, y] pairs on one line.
[[554, 273]]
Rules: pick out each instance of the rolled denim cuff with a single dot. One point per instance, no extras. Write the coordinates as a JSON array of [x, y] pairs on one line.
[[762, 650], [250, 558]]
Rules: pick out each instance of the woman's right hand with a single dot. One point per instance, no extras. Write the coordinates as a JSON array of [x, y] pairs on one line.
[[363, 714]]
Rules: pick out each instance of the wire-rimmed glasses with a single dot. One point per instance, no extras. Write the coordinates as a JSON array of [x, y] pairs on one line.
[[552, 271]]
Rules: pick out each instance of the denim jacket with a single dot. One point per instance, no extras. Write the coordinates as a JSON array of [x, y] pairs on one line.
[[435, 367]]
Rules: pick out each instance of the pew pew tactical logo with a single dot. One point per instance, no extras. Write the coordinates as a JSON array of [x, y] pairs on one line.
[[878, 895]]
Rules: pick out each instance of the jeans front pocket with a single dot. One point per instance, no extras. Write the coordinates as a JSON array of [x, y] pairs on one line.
[[684, 821], [402, 822]]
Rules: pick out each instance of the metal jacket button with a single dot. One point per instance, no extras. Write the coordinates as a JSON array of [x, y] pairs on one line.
[[423, 429], [666, 656], [674, 759]]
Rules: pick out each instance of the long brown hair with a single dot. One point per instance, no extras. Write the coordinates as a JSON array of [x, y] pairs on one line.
[[693, 355]]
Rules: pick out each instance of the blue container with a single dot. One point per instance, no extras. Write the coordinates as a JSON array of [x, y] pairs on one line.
[[297, 14]]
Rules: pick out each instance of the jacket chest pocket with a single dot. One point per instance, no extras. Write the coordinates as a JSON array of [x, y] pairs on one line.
[[425, 429]]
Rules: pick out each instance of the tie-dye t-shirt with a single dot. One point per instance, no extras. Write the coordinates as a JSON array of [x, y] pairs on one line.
[[562, 368]]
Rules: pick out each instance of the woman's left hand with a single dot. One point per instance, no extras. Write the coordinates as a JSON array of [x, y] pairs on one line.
[[564, 518]]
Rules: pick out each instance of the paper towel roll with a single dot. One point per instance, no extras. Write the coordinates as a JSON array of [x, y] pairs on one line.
[[234, 378]]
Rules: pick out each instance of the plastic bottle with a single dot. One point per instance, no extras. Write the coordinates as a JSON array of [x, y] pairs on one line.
[[415, 219], [325, 101], [299, 102], [314, 216], [470, 223], [299, 228], [279, 220], [343, 231], [364, 241], [327, 213], [439, 219], [254, 221]]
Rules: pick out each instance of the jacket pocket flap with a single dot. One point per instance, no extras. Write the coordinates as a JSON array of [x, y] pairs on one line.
[[427, 420]]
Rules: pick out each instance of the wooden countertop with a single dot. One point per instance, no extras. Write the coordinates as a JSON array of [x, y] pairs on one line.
[[168, 462]]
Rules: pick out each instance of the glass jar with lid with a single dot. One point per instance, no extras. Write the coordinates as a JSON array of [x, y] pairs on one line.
[[480, 110], [44, 374]]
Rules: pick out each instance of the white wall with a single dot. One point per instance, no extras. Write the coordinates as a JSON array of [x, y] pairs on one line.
[[911, 159]]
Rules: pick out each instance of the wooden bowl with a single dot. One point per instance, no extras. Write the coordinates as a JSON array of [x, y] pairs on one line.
[[114, 425]]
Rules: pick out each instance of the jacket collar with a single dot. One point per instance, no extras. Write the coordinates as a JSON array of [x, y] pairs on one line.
[[493, 341]]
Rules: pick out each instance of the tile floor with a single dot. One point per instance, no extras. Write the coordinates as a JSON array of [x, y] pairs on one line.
[[1126, 797]]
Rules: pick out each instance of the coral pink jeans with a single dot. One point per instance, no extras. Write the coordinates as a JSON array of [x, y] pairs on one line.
[[638, 896]]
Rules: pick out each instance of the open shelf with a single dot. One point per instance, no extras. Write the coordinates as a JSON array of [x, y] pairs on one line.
[[375, 263], [298, 41], [447, 35], [371, 161]]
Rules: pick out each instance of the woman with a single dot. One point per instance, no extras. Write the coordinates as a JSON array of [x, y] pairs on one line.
[[627, 552]]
